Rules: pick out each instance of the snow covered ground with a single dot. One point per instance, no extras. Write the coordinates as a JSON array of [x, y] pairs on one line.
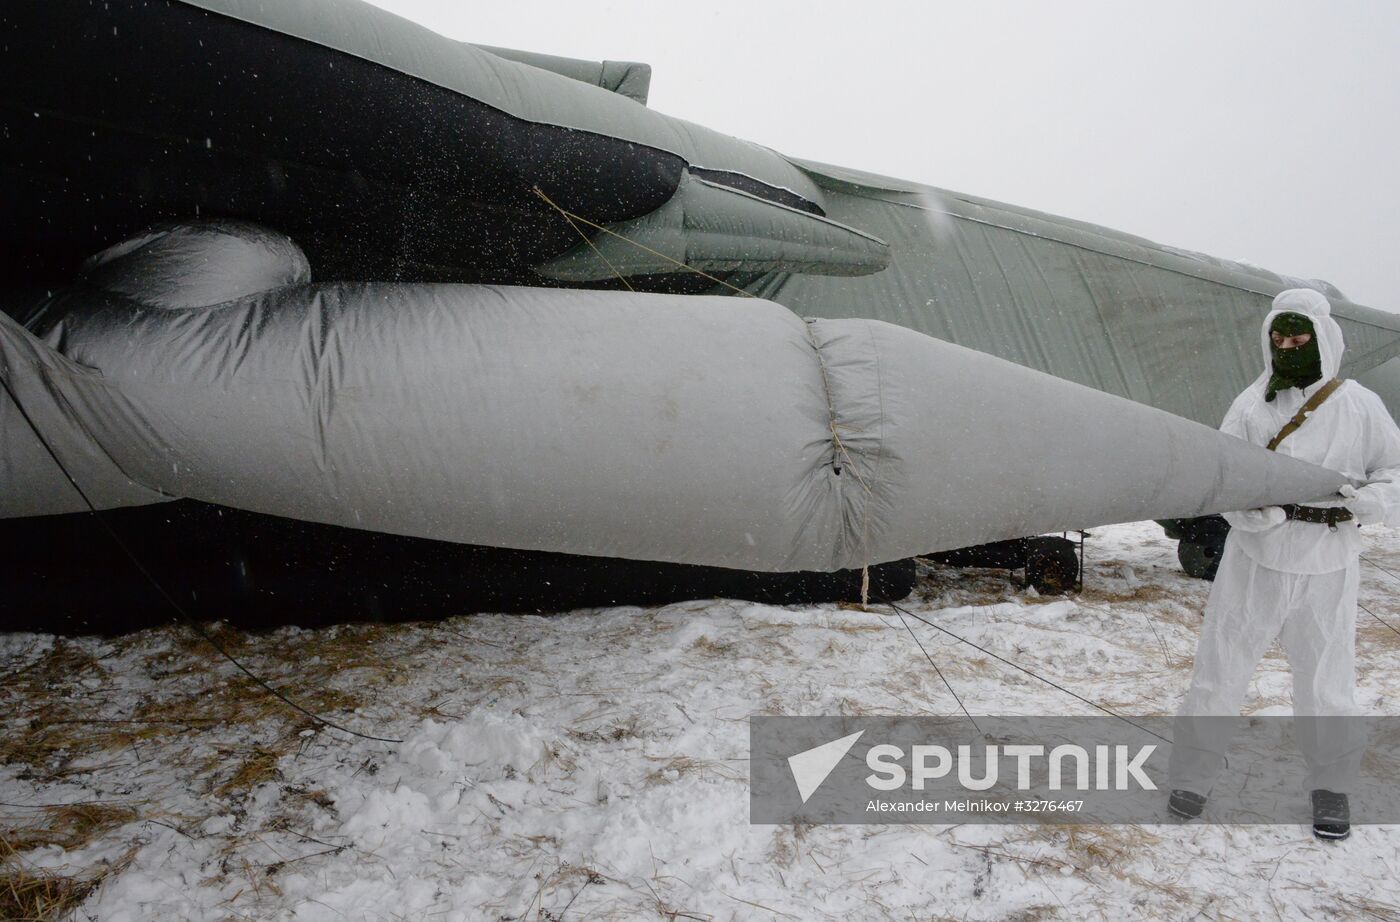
[[593, 765]]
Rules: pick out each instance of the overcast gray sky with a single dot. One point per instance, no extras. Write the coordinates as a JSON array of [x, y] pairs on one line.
[[1264, 131]]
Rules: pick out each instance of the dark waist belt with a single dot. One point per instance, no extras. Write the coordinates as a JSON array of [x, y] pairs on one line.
[[1318, 515]]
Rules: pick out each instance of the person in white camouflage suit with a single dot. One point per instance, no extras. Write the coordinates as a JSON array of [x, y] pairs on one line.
[[1292, 572]]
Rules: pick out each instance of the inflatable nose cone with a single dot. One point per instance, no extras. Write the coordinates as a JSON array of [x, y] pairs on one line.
[[963, 448]]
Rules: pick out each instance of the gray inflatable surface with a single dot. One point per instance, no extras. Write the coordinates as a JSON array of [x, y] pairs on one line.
[[448, 194], [712, 430]]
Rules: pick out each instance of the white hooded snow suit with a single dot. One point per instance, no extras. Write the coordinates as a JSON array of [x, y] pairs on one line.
[[1293, 580]]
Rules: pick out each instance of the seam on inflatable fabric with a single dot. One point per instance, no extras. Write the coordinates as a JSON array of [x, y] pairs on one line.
[[320, 396], [879, 444], [835, 441], [1088, 249], [807, 323], [838, 448]]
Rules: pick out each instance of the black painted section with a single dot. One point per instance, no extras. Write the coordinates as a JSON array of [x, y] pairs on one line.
[[65, 574], [1009, 555], [758, 188], [1205, 529], [114, 115]]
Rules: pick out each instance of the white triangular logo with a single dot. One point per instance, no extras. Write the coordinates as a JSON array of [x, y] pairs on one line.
[[810, 768]]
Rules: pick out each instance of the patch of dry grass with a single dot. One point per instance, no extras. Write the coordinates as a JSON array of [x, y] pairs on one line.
[[786, 847], [911, 669], [1375, 634], [719, 649], [31, 894], [1147, 592], [53, 738], [1109, 848], [613, 733], [65, 662], [945, 585], [1036, 913], [1362, 907], [63, 715], [500, 685], [69, 826], [877, 620], [563, 886], [242, 701], [258, 767], [68, 720], [295, 794], [60, 732]]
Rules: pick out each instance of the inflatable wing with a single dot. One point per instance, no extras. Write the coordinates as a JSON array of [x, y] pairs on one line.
[[1077, 301]]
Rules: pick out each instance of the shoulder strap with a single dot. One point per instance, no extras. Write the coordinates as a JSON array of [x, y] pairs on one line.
[[1305, 410]]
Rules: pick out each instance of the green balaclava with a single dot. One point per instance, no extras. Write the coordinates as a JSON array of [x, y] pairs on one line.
[[1297, 367]]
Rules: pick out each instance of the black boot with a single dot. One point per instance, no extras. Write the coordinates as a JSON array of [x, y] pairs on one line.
[[1186, 804], [1331, 815]]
